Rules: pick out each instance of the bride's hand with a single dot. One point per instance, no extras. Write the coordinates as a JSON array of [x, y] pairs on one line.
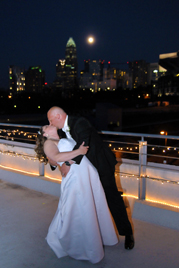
[[83, 149]]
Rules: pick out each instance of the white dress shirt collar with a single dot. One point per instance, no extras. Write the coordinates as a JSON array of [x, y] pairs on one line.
[[66, 127]]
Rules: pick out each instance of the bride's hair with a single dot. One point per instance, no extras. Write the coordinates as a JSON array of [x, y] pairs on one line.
[[39, 146]]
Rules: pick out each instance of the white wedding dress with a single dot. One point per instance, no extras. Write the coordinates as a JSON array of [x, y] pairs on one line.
[[82, 223]]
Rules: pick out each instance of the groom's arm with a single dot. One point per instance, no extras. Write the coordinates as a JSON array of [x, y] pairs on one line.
[[82, 130]]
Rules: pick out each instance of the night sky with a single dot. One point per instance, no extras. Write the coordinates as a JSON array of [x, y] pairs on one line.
[[35, 32]]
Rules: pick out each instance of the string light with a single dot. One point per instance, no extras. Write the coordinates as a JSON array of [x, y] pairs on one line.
[[16, 132], [125, 175], [129, 195], [30, 135], [162, 203], [24, 156]]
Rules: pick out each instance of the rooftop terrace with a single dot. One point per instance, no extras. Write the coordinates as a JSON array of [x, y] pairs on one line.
[[24, 220]]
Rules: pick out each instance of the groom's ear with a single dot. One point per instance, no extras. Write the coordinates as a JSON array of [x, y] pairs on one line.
[[58, 116]]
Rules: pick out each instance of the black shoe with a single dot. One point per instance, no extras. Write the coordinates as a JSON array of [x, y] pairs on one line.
[[129, 242]]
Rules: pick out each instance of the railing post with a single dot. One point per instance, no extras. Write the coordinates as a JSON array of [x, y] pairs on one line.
[[142, 169], [41, 169]]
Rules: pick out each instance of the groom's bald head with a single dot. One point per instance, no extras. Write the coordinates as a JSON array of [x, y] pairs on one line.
[[56, 117]]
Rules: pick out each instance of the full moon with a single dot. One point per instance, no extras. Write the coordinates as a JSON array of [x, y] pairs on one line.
[[90, 40]]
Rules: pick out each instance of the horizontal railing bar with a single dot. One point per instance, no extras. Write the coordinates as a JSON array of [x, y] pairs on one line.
[[163, 156], [140, 135], [17, 125], [123, 142], [16, 138], [125, 152], [162, 146]]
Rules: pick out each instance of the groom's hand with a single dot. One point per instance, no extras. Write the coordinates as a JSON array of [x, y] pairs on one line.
[[64, 170]]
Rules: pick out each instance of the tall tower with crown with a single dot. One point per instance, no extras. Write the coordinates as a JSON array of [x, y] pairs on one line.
[[71, 65], [66, 69]]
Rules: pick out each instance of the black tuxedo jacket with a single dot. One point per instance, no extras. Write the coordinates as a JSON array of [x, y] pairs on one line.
[[99, 153]]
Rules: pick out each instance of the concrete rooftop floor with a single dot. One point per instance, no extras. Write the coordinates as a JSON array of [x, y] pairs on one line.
[[25, 216]]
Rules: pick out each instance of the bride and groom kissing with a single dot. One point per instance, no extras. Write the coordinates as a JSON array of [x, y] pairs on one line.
[[89, 195]]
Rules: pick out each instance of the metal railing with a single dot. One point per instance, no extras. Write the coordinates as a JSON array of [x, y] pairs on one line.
[[145, 148]]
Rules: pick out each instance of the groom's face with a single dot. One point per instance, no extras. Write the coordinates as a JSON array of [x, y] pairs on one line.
[[55, 120]]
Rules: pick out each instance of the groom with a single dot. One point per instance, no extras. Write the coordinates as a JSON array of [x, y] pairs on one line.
[[79, 129]]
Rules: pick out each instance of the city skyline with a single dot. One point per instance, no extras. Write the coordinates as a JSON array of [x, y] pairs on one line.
[[36, 33]]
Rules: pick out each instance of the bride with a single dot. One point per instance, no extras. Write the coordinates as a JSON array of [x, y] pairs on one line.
[[82, 223]]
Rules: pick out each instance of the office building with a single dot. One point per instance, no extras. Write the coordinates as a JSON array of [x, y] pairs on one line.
[[35, 79], [138, 72], [168, 83], [16, 79]]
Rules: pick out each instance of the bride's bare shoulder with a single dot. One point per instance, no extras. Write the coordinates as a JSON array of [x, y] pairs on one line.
[[49, 143]]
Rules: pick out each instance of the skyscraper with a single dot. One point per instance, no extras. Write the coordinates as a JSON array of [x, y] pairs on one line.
[[66, 69], [71, 65]]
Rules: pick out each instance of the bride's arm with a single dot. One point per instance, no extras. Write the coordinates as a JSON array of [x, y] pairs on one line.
[[52, 152]]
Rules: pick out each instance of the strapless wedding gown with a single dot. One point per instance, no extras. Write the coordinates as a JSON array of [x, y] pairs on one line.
[[82, 223]]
